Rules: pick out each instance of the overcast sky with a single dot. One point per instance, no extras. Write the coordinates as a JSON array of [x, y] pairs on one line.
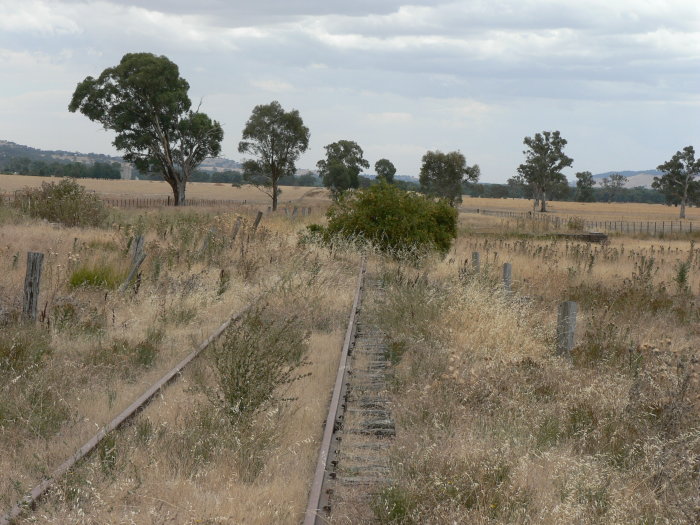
[[619, 78]]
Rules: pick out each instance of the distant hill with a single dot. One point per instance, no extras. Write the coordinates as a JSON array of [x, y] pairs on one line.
[[10, 150], [636, 178]]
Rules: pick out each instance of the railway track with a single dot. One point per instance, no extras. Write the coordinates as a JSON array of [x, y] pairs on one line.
[[352, 462], [353, 459], [31, 499]]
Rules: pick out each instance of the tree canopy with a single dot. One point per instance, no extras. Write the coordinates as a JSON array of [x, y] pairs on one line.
[[584, 186], [612, 186], [144, 100], [442, 174], [277, 138], [544, 160], [385, 170], [341, 168], [678, 182]]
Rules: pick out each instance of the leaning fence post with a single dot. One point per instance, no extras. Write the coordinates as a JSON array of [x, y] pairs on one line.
[[139, 257], [257, 221], [476, 262], [236, 227], [507, 276], [32, 280], [566, 327]]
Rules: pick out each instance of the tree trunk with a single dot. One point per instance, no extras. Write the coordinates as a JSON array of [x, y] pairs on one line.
[[274, 196], [178, 187], [543, 202], [682, 216], [535, 200]]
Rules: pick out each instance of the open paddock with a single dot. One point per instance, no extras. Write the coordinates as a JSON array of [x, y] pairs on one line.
[[132, 189]]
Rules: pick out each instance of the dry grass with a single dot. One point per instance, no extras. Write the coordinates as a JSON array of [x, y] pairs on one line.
[[107, 347], [600, 211], [493, 428], [200, 190]]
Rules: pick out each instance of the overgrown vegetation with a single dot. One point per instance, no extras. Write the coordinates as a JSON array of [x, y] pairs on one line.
[[258, 360], [391, 219], [65, 202], [94, 350], [493, 428]]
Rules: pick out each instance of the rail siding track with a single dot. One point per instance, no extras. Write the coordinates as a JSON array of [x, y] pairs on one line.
[[31, 499], [353, 460]]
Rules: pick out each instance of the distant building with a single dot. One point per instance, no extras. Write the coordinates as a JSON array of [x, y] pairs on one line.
[[126, 171]]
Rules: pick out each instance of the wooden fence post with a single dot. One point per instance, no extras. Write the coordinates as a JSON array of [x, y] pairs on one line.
[[257, 221], [566, 327], [236, 227], [32, 280], [476, 262], [507, 276], [139, 257]]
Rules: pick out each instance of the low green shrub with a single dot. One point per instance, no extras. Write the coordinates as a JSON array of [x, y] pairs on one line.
[[392, 219], [258, 357], [66, 202], [101, 275]]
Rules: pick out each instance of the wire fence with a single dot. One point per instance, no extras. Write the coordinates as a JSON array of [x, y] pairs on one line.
[[646, 227], [153, 202]]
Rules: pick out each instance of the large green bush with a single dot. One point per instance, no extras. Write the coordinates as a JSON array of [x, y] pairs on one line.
[[66, 202], [392, 219]]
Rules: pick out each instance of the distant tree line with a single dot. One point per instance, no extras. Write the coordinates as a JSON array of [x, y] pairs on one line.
[[568, 193], [238, 177], [78, 170]]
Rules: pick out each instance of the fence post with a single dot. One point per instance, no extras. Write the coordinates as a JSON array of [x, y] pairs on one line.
[[257, 221], [566, 327], [139, 257], [507, 276], [476, 262], [32, 280], [236, 227]]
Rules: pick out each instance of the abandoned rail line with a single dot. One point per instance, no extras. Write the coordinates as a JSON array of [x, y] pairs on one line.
[[352, 461]]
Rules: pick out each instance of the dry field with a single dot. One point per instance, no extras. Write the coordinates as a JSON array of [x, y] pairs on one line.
[[143, 188], [493, 427], [600, 211], [94, 350]]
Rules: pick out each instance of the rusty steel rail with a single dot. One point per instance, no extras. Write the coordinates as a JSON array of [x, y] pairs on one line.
[[30, 500], [317, 495]]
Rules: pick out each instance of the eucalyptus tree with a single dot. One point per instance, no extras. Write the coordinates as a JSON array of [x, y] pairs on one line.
[[442, 175], [678, 179], [385, 170], [144, 101], [584, 186], [277, 138], [341, 168], [544, 160]]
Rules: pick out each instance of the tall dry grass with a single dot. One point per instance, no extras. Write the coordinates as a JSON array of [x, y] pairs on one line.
[[106, 347], [492, 427]]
